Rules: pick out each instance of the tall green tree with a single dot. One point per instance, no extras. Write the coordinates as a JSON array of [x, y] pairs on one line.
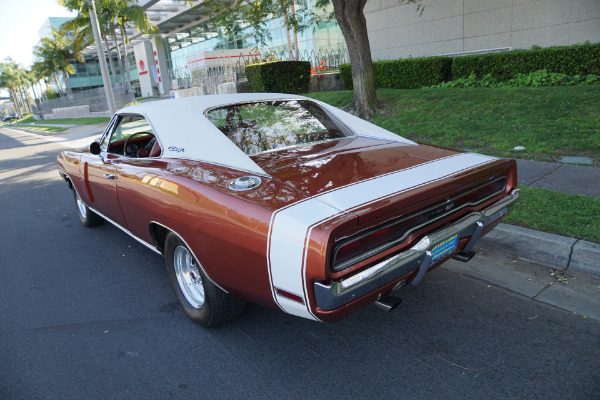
[[11, 78], [59, 51], [111, 13]]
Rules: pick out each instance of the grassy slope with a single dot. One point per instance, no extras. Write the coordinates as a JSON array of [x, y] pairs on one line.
[[548, 121], [565, 214]]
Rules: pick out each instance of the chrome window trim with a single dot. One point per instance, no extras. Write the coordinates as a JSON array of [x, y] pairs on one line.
[[121, 115]]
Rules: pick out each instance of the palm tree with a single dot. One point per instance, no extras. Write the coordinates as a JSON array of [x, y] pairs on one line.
[[111, 12], [129, 12], [57, 53], [11, 79], [82, 22]]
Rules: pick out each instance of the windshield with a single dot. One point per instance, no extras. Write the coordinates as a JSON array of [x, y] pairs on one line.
[[267, 125]]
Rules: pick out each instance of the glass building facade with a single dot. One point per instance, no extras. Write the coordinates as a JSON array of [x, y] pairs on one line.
[[321, 38]]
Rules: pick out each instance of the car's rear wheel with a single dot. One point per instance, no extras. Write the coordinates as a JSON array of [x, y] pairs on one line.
[[200, 299], [86, 216]]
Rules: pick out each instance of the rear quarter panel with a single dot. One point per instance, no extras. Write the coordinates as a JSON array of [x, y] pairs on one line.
[[226, 230]]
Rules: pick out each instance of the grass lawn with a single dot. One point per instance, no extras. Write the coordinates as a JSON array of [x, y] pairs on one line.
[[549, 122], [45, 128], [565, 214], [26, 119], [75, 121]]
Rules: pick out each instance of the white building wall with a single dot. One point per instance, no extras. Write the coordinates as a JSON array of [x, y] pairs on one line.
[[453, 26], [144, 60]]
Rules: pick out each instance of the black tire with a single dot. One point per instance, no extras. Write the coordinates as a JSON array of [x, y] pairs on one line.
[[202, 301], [86, 216]]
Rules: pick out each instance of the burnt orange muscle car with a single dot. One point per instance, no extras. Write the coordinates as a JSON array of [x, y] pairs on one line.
[[284, 201]]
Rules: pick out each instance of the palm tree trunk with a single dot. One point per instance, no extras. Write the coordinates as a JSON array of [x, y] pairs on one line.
[[58, 85], [119, 58], [126, 61], [35, 97], [26, 103], [286, 19], [295, 33], [110, 59], [13, 93], [68, 84]]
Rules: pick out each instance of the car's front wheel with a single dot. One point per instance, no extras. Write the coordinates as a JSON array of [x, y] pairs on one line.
[[201, 300], [86, 216]]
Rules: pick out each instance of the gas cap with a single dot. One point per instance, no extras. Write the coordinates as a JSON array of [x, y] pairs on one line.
[[245, 183]]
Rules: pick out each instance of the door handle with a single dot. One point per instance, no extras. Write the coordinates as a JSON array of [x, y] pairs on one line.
[[109, 176]]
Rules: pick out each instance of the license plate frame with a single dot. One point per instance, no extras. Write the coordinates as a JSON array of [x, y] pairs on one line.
[[444, 248]]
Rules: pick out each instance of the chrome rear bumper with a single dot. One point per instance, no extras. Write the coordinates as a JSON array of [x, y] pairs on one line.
[[418, 257]]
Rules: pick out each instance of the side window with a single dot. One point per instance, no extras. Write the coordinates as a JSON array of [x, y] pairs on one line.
[[131, 136]]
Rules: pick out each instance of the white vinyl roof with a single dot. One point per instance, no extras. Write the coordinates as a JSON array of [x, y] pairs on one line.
[[183, 130]]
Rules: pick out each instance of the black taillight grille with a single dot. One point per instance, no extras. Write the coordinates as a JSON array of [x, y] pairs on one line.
[[364, 245]]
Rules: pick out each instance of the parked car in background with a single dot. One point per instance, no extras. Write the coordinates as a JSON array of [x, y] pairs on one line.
[[9, 118], [284, 201]]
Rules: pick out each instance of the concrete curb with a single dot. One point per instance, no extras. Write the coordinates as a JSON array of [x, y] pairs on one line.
[[556, 251]]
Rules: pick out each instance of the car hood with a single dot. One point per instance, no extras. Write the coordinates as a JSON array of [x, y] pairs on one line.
[[316, 168]]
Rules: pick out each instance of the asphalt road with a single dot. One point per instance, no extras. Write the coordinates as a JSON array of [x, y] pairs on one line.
[[88, 313]]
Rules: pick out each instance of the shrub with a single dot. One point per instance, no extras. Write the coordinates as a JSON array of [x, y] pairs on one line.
[[410, 73], [346, 74], [537, 78], [568, 60], [279, 77]]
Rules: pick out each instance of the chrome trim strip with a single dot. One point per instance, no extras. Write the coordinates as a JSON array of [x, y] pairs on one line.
[[341, 292], [148, 245]]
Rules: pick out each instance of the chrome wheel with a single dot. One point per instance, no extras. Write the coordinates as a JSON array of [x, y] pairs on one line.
[[81, 207], [188, 276]]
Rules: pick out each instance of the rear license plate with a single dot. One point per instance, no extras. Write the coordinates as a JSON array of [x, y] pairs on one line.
[[444, 248]]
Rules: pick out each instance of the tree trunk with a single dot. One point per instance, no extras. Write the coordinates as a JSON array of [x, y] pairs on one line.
[[295, 33], [119, 58], [26, 103], [286, 19], [35, 97], [13, 93], [351, 19], [126, 62], [68, 85], [58, 85], [110, 60]]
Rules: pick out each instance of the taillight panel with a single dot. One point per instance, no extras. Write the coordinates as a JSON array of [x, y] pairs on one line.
[[364, 245]]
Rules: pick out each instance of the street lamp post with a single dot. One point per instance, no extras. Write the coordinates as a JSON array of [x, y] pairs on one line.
[[110, 98]]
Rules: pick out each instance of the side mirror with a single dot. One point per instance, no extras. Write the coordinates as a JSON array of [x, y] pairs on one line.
[[95, 148]]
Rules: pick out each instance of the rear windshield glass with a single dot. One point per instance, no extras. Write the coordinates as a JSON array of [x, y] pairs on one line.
[[261, 126]]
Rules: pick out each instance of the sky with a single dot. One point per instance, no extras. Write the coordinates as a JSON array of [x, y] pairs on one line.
[[20, 21]]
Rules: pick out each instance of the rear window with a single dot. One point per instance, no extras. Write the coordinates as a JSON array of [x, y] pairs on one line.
[[267, 125]]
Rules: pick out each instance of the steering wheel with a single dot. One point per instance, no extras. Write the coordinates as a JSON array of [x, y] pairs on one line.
[[133, 149]]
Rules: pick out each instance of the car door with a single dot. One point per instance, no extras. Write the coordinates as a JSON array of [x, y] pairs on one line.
[[99, 174], [129, 138]]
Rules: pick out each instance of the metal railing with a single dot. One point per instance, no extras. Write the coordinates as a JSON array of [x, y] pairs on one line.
[[95, 98], [208, 78]]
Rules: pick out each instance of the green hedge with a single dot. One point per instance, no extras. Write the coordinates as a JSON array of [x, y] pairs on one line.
[[279, 77], [410, 73], [569, 60]]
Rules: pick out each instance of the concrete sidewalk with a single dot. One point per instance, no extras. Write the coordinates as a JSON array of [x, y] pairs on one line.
[[566, 178]]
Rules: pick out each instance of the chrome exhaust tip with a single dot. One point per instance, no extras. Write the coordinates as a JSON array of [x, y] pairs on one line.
[[388, 303]]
